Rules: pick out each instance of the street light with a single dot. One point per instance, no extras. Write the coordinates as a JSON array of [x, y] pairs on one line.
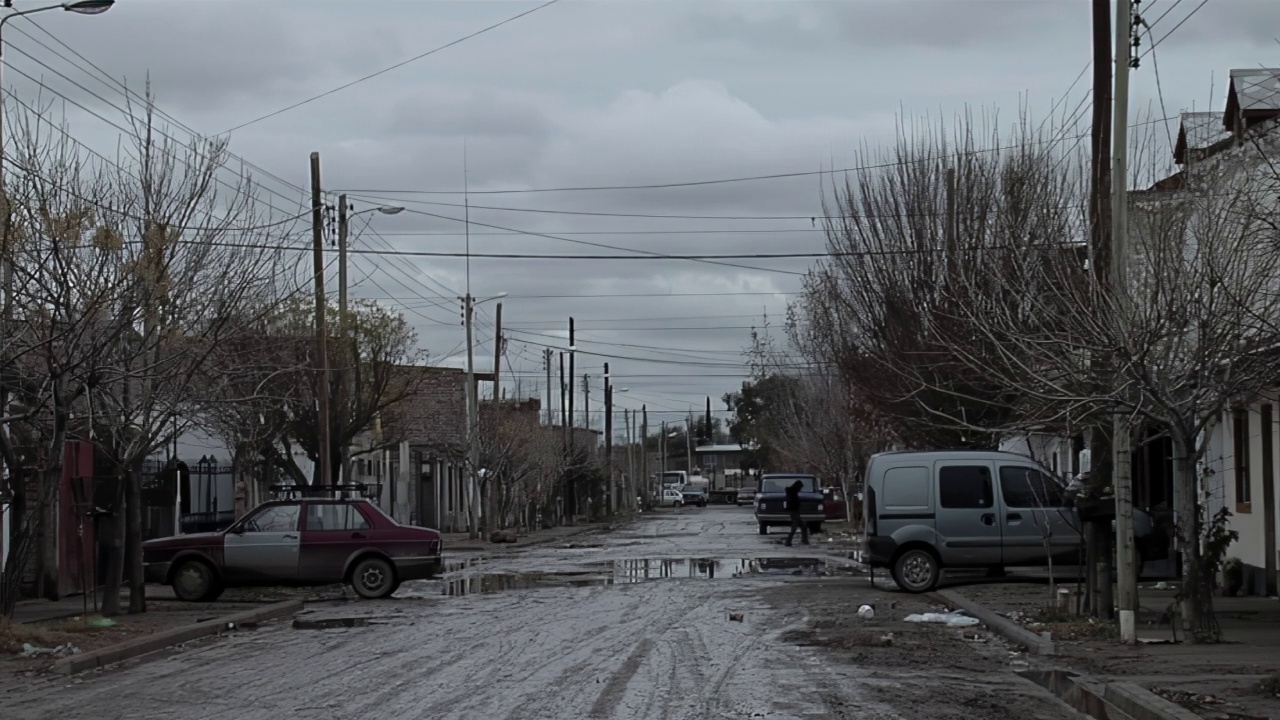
[[473, 411], [87, 7], [344, 223]]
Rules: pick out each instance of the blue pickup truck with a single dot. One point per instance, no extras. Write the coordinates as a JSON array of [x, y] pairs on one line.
[[771, 498]]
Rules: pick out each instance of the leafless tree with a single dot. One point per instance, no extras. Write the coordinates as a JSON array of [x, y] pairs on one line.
[[204, 254]]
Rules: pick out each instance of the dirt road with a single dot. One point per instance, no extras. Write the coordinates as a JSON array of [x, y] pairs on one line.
[[631, 625]]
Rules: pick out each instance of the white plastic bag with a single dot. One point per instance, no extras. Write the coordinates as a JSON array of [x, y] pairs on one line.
[[951, 619]]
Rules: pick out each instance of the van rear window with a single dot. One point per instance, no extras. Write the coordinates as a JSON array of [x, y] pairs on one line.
[[906, 488]]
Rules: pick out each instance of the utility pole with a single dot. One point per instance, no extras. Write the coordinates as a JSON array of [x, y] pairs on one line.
[[1127, 575], [586, 401], [572, 501], [322, 353], [564, 442], [473, 448], [343, 372], [644, 445], [688, 445], [1097, 533], [546, 360], [629, 486], [497, 353], [662, 448], [610, 485]]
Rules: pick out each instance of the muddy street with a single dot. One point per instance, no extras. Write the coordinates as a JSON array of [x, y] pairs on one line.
[[678, 615]]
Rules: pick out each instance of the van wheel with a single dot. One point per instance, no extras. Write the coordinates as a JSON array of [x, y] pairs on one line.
[[916, 571], [764, 529]]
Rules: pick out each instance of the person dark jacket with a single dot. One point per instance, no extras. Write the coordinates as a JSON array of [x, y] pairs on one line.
[[793, 497]]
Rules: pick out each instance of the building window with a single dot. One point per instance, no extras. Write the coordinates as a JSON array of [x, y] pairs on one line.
[[1240, 438], [709, 461]]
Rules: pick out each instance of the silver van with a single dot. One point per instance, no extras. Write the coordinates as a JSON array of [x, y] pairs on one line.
[[926, 511]]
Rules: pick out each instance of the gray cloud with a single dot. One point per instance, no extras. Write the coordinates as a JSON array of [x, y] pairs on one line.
[[603, 93]]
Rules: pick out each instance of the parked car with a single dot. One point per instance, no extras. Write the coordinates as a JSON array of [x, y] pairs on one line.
[[302, 542], [926, 511], [671, 497], [694, 495], [833, 503], [771, 501], [746, 496]]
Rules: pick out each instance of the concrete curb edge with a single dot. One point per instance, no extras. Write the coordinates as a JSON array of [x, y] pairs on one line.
[[1004, 627], [1142, 704], [167, 638]]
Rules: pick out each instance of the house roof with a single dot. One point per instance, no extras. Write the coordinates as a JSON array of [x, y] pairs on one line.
[[1198, 131], [719, 449], [1252, 90]]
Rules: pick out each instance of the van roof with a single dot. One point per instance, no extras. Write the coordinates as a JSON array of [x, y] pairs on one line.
[[941, 454]]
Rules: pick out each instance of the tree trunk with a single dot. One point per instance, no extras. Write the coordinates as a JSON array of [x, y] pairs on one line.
[[115, 557], [15, 564], [1196, 596], [46, 534], [133, 540]]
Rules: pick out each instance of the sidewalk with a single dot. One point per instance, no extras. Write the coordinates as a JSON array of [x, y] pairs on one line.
[[1237, 679]]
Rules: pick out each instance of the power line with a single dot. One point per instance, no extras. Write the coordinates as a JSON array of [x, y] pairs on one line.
[[1175, 28], [587, 213], [725, 180], [390, 68], [650, 253]]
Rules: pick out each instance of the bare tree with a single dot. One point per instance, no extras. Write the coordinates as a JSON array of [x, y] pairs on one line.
[[203, 252], [64, 285]]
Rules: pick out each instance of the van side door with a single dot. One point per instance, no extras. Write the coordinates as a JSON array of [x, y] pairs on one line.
[[969, 530], [1037, 519]]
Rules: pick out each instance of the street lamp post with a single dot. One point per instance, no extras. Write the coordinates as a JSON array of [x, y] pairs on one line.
[[469, 304], [344, 374]]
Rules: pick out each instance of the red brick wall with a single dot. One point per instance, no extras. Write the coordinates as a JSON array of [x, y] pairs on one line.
[[435, 415]]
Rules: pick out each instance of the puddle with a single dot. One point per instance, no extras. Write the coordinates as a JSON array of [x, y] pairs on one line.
[[473, 579], [333, 623]]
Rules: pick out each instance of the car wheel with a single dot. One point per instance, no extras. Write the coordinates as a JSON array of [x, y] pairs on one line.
[[373, 578], [764, 529], [195, 581], [916, 571]]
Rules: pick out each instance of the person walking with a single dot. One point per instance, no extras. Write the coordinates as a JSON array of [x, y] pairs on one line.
[[793, 507]]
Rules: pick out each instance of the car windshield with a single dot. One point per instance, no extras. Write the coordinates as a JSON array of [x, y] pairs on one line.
[[779, 483]]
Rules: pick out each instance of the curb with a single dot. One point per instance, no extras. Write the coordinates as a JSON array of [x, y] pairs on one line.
[[1105, 700], [1002, 626], [1142, 704], [161, 640]]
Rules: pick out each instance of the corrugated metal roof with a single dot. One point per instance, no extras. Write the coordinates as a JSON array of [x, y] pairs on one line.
[[1256, 88], [1202, 129]]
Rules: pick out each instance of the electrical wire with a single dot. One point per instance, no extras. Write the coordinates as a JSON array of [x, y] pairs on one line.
[[388, 69]]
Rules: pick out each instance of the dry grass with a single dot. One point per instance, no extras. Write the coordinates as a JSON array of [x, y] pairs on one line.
[[47, 634]]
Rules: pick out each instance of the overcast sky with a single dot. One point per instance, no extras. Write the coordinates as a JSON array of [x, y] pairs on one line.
[[588, 94]]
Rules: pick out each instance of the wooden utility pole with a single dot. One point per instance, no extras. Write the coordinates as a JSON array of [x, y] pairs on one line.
[[644, 446], [1127, 573], [497, 354], [571, 497], [546, 360], [344, 453], [610, 484], [1097, 535], [953, 262], [322, 353]]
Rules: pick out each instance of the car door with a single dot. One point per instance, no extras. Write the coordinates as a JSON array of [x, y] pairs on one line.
[[1037, 521], [263, 548], [969, 532], [331, 532]]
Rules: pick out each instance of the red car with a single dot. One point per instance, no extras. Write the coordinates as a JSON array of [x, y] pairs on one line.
[[833, 502], [297, 542]]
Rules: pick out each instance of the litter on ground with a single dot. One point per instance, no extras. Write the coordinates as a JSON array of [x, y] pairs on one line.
[[951, 619]]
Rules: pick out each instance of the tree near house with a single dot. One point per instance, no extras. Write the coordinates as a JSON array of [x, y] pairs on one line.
[[59, 321], [269, 371], [1190, 329], [521, 462], [203, 261]]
